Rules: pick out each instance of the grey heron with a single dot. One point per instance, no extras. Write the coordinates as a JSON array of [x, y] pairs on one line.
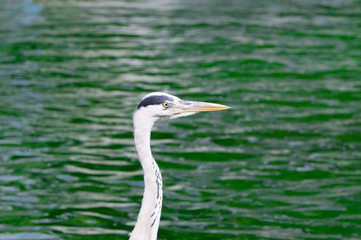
[[152, 107]]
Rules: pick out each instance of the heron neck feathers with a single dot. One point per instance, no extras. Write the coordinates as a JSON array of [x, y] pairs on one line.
[[147, 224]]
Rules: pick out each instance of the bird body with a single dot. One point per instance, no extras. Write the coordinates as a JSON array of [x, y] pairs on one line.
[[156, 106]]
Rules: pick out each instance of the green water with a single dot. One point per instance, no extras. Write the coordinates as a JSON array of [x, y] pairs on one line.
[[283, 163]]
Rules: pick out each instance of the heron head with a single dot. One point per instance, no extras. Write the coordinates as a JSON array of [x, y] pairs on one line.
[[160, 105]]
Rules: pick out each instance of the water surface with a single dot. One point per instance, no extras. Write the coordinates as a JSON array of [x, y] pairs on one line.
[[283, 163]]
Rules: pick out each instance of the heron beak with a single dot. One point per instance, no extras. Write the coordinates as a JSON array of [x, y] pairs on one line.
[[193, 106]]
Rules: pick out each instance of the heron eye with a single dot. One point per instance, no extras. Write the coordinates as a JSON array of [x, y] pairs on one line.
[[165, 104]]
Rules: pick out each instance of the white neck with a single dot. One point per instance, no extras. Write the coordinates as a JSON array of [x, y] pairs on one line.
[[147, 224]]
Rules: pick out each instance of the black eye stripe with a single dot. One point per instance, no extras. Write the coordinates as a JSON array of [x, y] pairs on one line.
[[154, 100]]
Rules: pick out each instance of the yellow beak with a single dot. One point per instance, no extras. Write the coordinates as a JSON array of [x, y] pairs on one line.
[[193, 106]]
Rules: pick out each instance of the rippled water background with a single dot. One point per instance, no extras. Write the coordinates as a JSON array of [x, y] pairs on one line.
[[283, 163]]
